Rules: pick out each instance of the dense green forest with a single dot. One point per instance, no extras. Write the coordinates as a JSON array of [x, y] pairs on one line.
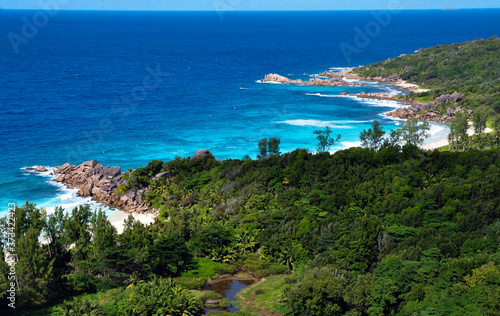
[[390, 229], [471, 68], [398, 231]]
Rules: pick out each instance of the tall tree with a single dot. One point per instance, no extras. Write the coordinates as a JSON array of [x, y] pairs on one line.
[[33, 269], [325, 140], [393, 139], [57, 246], [413, 133], [263, 148], [373, 137], [76, 230], [273, 146], [458, 129], [496, 127], [479, 119]]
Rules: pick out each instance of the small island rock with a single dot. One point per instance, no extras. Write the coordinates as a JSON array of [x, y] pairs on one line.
[[201, 153]]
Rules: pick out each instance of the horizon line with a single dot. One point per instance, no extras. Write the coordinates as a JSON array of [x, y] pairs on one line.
[[236, 10]]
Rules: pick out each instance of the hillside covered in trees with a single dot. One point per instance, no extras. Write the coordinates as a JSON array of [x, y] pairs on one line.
[[398, 231], [471, 68]]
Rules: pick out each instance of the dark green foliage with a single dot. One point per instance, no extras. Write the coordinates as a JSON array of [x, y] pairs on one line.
[[269, 146], [209, 238], [318, 292], [394, 231], [263, 147], [373, 137], [158, 297], [273, 145], [170, 256]]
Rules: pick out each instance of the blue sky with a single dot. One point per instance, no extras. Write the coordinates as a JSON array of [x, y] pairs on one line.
[[232, 5]]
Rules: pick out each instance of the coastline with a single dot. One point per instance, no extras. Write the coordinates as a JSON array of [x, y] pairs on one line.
[[410, 86], [71, 196], [407, 108], [119, 207], [443, 140]]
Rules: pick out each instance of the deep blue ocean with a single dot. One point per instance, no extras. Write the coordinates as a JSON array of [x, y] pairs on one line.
[[125, 88]]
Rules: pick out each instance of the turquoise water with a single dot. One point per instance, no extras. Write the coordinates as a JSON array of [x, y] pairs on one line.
[[128, 87]]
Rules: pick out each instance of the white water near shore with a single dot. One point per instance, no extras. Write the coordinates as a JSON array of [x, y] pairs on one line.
[[68, 199]]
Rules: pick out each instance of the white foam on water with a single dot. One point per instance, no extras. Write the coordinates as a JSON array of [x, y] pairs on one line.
[[341, 68], [68, 199], [322, 95], [270, 82], [351, 80], [316, 123], [381, 103]]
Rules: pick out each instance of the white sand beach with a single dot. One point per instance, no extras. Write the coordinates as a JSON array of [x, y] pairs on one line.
[[443, 139], [410, 86], [117, 218]]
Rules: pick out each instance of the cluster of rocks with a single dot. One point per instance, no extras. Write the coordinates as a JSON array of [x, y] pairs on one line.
[[100, 182], [201, 153], [427, 112], [455, 97], [418, 110], [378, 96], [312, 82], [349, 74], [37, 169]]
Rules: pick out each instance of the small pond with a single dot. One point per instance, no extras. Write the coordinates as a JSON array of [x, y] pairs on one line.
[[228, 288]]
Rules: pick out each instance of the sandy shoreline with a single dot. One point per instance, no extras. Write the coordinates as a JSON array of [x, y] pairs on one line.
[[443, 141], [410, 86], [117, 218], [68, 199]]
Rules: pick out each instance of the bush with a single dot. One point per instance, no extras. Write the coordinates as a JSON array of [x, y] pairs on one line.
[[260, 268], [318, 292], [206, 269], [191, 283]]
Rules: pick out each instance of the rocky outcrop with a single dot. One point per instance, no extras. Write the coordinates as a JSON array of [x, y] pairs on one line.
[[59, 179], [418, 110], [201, 153], [455, 97], [40, 169], [330, 82], [348, 74], [166, 175], [100, 182], [427, 112], [276, 78], [379, 96]]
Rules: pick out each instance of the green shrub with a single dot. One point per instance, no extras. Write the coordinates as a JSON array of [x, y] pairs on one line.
[[191, 283]]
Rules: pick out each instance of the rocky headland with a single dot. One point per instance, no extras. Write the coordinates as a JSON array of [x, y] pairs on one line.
[[330, 82], [100, 183], [394, 79], [349, 74], [436, 111], [441, 110]]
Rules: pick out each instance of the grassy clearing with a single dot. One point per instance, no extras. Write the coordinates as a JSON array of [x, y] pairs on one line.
[[259, 268], [207, 269], [264, 297]]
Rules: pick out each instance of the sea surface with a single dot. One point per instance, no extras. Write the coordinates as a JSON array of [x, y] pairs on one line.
[[125, 88]]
